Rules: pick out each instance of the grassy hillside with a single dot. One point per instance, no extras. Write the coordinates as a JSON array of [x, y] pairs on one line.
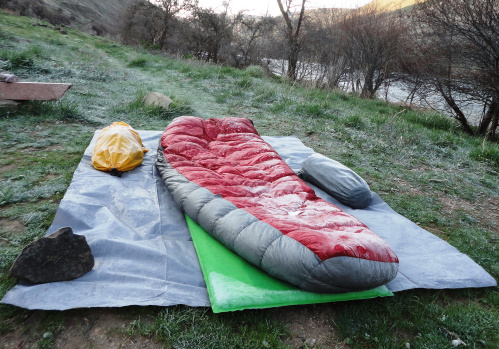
[[420, 163]]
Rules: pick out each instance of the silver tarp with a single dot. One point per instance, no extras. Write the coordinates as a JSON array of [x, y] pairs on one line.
[[144, 254]]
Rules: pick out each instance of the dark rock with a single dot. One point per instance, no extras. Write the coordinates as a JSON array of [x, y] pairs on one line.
[[60, 256]]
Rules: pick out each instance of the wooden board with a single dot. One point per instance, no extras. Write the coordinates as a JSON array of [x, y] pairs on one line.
[[32, 91]]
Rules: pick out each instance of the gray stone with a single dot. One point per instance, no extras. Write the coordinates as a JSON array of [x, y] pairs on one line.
[[157, 99], [60, 256], [310, 343], [8, 105]]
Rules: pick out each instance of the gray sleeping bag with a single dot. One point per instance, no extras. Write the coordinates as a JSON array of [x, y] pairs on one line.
[[337, 180]]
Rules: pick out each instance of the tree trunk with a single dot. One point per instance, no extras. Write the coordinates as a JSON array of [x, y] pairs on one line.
[[487, 119], [494, 123], [164, 32], [452, 104], [293, 61], [293, 32], [368, 88], [162, 37]]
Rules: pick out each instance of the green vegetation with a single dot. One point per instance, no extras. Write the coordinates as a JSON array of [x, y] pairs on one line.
[[420, 163], [138, 62], [183, 327]]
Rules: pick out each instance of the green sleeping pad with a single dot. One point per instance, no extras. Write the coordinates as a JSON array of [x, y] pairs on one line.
[[234, 284]]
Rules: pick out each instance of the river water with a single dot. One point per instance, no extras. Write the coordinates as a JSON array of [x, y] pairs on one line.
[[396, 92]]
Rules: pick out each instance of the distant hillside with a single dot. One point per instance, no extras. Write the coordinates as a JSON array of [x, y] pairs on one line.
[[382, 5], [391, 5], [320, 11], [98, 16]]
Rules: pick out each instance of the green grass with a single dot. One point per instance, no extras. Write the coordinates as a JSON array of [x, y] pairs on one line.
[[424, 319], [184, 327], [138, 62], [60, 110], [420, 163], [487, 152]]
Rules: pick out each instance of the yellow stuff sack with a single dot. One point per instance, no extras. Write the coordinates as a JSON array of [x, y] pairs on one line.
[[118, 149]]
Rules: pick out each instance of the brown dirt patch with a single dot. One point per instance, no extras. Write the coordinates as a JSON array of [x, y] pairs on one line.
[[11, 225], [98, 328], [8, 168], [309, 324], [31, 150], [42, 149], [104, 328], [486, 212], [54, 147], [399, 185], [50, 177]]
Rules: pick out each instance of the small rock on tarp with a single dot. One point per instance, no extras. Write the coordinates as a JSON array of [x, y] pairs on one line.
[[61, 256], [157, 99]]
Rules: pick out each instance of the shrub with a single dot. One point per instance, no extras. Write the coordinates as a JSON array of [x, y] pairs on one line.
[[310, 109], [487, 151], [245, 82], [61, 110], [21, 61], [255, 71], [431, 121], [138, 62], [354, 121]]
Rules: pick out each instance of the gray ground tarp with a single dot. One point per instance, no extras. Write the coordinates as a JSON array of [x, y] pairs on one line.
[[144, 254]]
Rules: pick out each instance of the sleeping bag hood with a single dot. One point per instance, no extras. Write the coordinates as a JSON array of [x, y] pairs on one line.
[[237, 188]]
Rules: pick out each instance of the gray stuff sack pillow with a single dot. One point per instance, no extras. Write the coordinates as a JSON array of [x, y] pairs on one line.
[[337, 180]]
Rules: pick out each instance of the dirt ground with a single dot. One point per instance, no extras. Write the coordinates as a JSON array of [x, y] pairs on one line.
[[309, 327], [95, 328]]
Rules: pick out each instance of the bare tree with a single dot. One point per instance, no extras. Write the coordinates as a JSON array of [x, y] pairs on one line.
[[371, 46], [293, 26], [172, 8], [141, 23], [151, 23], [324, 43], [249, 32], [211, 31], [460, 58]]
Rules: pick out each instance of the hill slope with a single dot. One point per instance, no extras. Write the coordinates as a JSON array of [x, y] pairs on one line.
[[391, 5], [381, 5], [99, 16]]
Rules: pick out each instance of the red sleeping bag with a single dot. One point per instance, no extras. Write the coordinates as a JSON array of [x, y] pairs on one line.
[[233, 183]]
